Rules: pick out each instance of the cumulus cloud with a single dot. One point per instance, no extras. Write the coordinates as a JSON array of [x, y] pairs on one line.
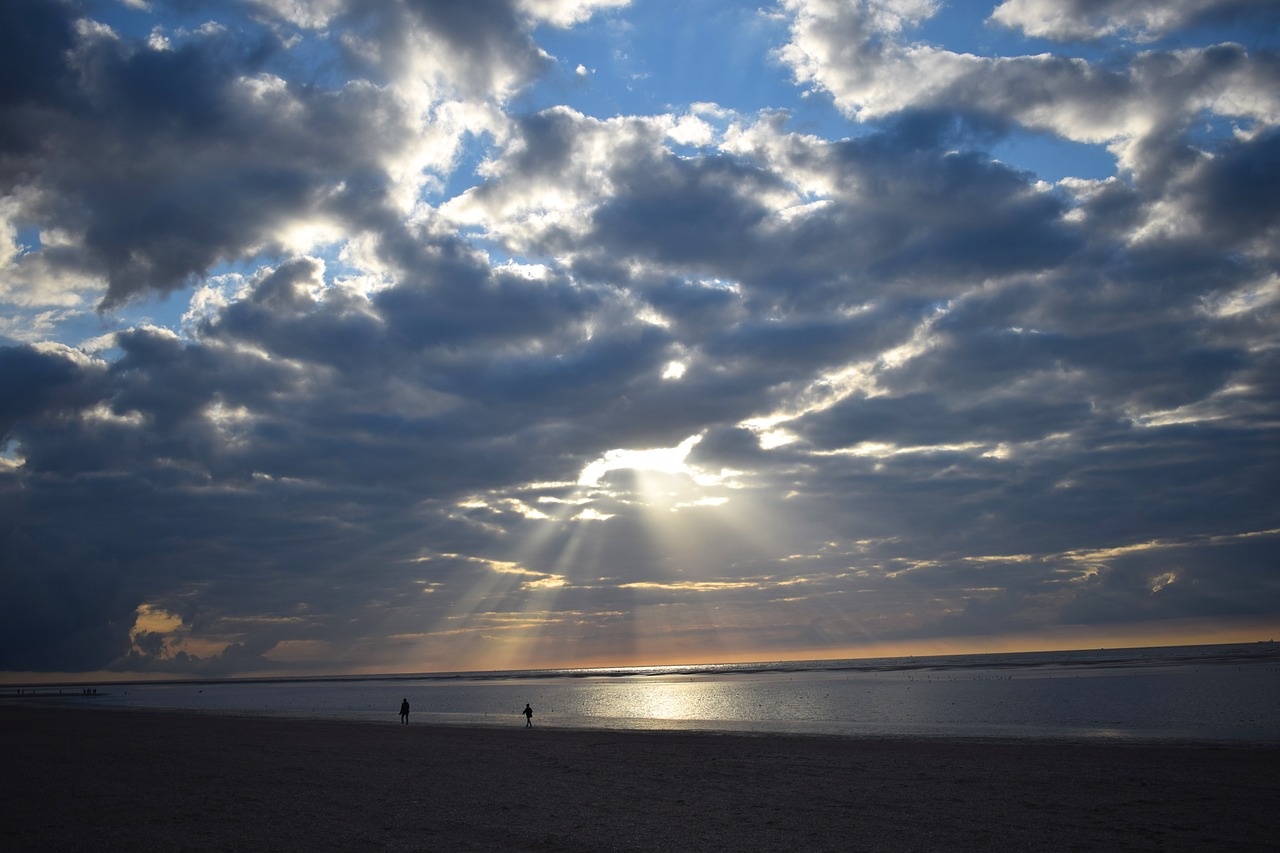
[[227, 158], [627, 385], [1142, 108]]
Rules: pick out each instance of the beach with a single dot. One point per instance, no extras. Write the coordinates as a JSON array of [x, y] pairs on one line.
[[98, 779]]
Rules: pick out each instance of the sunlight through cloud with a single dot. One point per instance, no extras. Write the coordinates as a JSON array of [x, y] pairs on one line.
[[665, 460]]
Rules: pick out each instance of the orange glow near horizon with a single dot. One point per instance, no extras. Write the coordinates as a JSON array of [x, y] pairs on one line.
[[1172, 633], [1189, 632]]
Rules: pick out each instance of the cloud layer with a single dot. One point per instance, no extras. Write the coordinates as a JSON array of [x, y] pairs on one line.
[[690, 385]]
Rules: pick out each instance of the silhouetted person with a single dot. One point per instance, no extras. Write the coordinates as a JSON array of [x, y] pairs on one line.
[[528, 716], [404, 713]]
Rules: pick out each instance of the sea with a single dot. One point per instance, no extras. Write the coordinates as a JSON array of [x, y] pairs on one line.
[[1213, 693]]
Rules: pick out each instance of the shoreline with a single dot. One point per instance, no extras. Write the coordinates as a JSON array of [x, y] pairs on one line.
[[122, 779], [711, 728]]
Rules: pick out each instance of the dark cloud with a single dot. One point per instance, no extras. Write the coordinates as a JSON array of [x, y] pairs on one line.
[[682, 211], [907, 213], [1235, 196], [37, 387], [35, 35], [169, 161], [159, 106]]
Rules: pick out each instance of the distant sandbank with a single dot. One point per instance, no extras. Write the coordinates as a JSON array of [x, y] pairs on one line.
[[80, 778]]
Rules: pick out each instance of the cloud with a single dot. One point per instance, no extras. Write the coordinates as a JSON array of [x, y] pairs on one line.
[[226, 156], [453, 378], [565, 13], [1142, 107], [206, 178], [1142, 20]]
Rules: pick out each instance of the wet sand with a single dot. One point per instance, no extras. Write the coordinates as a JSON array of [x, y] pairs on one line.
[[86, 779]]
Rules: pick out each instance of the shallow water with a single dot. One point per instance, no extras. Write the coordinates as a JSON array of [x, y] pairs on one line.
[[1219, 693]]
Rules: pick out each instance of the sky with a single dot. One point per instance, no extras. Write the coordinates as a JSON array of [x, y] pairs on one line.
[[373, 336]]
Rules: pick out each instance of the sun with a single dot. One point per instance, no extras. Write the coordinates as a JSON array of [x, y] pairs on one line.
[[666, 460]]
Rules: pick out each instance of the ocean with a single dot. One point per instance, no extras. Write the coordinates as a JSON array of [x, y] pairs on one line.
[[1227, 693]]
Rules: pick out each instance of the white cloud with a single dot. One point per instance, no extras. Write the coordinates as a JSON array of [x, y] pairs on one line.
[[1143, 20], [691, 130], [552, 175], [310, 14], [873, 71], [566, 13]]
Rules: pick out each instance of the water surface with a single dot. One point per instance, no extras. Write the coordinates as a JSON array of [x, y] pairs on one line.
[[1217, 693]]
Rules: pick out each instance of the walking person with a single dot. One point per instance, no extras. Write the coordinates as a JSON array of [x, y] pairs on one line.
[[404, 713], [528, 716]]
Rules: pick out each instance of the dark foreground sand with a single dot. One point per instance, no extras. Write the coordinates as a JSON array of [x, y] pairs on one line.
[[80, 779]]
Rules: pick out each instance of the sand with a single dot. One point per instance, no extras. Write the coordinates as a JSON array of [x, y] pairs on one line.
[[98, 779]]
